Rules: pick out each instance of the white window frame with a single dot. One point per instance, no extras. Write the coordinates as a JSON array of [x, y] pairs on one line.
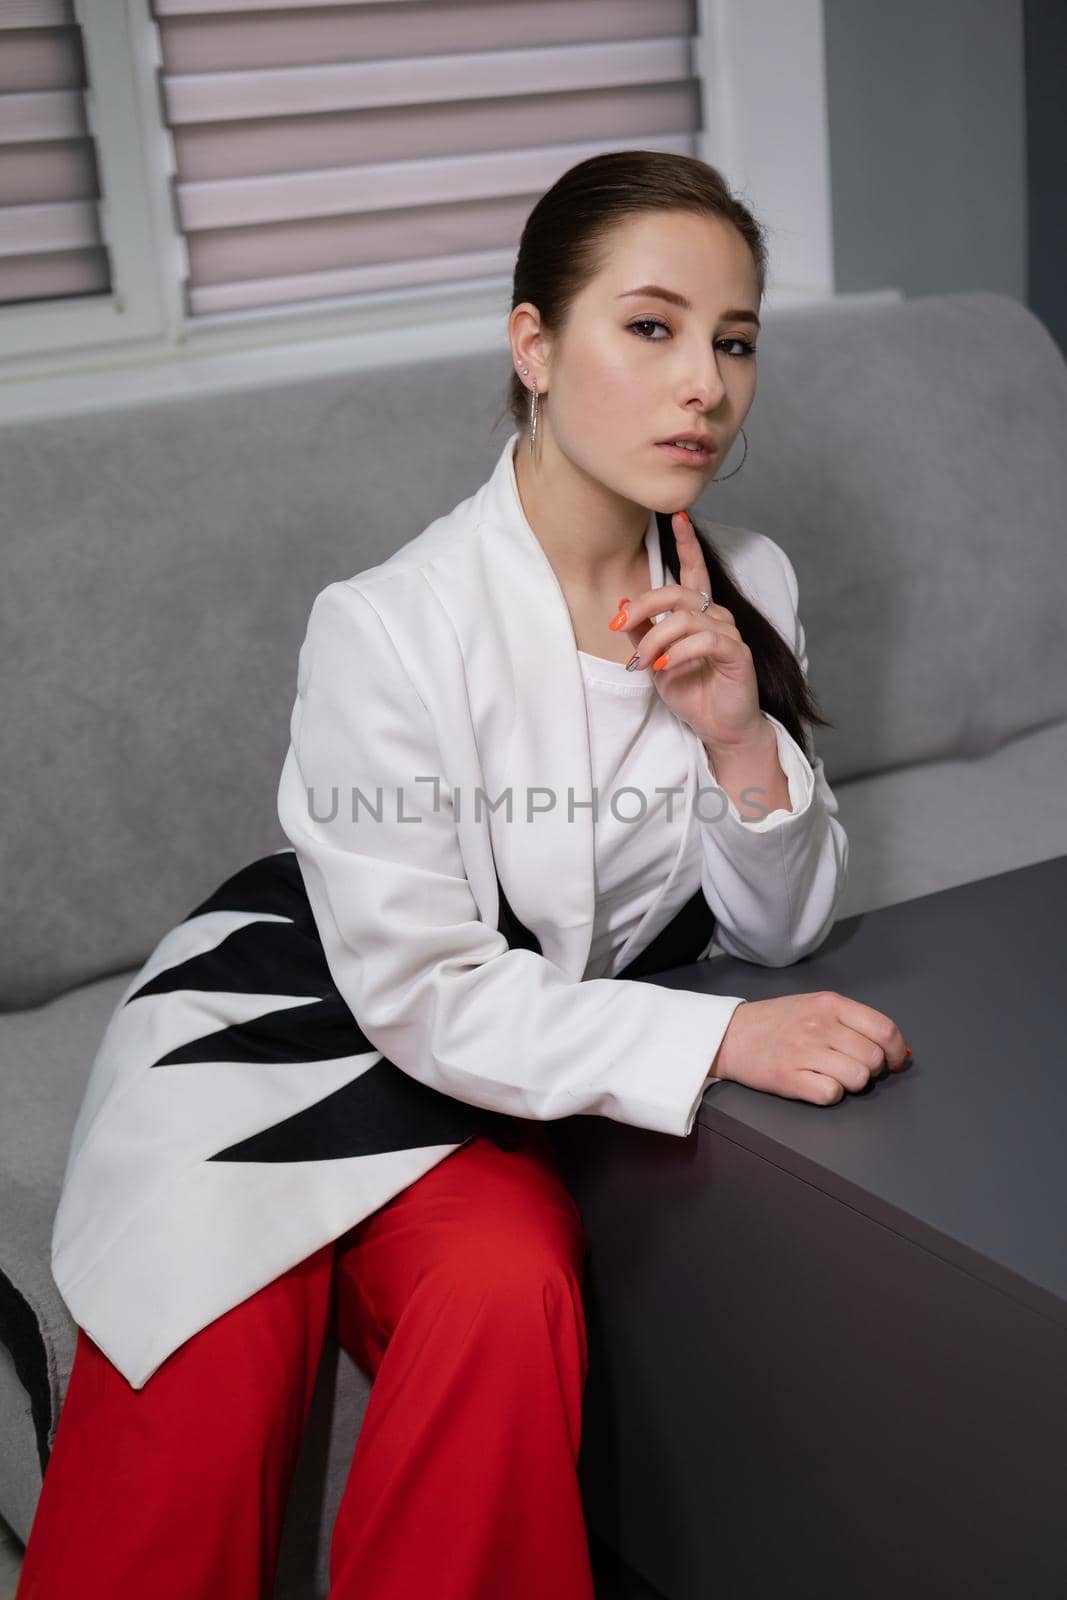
[[137, 343], [763, 66], [51, 333]]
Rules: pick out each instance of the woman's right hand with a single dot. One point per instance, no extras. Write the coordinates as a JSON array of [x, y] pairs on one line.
[[809, 1046]]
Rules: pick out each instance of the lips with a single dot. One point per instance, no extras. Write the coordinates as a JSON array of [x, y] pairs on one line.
[[686, 458], [704, 440]]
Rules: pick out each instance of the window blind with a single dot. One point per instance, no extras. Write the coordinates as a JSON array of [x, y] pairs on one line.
[[51, 244], [330, 149]]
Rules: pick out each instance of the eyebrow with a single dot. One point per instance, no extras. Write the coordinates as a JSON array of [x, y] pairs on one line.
[[676, 299]]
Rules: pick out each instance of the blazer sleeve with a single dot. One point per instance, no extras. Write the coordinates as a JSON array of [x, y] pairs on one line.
[[775, 882], [432, 986]]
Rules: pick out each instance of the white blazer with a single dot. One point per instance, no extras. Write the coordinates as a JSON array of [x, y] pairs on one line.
[[433, 796]]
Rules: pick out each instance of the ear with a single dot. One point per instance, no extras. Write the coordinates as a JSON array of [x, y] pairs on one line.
[[530, 344]]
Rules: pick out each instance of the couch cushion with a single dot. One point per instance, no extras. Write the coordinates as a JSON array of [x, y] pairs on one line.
[[930, 827], [941, 823]]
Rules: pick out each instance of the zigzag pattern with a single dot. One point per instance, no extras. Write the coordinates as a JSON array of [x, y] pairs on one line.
[[383, 1108]]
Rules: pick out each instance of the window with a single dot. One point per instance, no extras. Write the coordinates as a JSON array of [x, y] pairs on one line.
[[331, 150], [50, 240], [207, 192]]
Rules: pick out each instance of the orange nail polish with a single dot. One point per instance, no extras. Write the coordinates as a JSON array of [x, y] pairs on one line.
[[625, 601], [618, 621], [684, 516], [660, 661]]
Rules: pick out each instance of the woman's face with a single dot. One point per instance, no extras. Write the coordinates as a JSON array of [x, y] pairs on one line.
[[630, 370]]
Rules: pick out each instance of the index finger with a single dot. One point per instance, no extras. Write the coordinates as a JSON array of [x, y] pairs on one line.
[[692, 568]]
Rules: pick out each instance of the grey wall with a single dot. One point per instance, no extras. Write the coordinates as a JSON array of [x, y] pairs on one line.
[[1046, 139], [927, 120]]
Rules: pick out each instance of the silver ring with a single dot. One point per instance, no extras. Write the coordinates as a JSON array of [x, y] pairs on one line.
[[706, 597]]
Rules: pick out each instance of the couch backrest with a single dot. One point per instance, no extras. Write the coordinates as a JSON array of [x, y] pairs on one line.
[[162, 560]]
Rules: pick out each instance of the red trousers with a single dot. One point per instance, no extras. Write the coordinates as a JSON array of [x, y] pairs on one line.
[[462, 1298]]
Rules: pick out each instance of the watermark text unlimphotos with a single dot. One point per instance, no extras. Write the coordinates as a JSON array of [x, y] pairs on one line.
[[630, 803]]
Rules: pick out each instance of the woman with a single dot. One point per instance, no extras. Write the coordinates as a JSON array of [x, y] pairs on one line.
[[396, 1010]]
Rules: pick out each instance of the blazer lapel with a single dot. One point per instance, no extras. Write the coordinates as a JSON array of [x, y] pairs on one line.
[[545, 853], [537, 768]]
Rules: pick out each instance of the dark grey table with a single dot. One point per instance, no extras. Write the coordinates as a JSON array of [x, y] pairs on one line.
[[828, 1345]]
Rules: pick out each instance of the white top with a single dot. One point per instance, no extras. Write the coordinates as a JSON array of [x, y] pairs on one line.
[[637, 758], [641, 829]]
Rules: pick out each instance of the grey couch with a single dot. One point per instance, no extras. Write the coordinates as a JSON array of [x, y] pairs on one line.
[[160, 563]]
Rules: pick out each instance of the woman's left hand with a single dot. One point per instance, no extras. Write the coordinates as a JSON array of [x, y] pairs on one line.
[[709, 677]]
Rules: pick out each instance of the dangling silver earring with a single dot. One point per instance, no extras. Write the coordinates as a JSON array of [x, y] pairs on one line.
[[740, 464], [535, 410]]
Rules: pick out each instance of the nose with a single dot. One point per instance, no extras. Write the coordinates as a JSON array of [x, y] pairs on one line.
[[704, 380]]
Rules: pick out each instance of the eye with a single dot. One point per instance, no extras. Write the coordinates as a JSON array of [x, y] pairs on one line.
[[649, 322], [745, 351]]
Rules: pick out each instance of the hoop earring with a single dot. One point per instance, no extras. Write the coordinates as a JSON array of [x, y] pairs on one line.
[[740, 464]]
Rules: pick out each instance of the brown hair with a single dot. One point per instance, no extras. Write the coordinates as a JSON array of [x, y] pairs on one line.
[[564, 243]]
